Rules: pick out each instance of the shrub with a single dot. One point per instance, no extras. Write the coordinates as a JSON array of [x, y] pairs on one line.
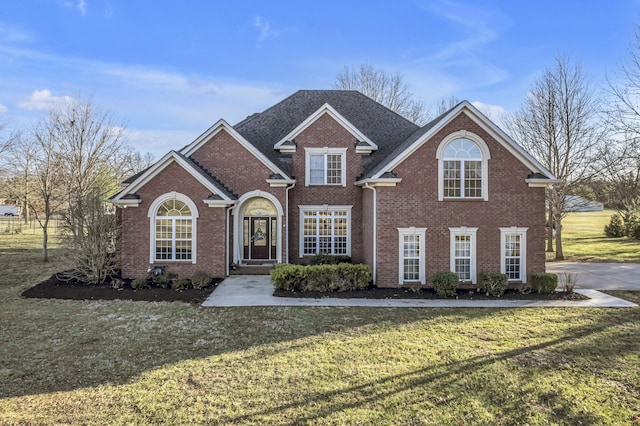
[[615, 228], [445, 283], [139, 283], [117, 283], [164, 279], [200, 279], [327, 259], [493, 283], [631, 225], [544, 283], [181, 284], [569, 282], [342, 277]]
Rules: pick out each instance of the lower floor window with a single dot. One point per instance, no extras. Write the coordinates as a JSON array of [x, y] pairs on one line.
[[173, 239], [411, 254], [325, 230], [513, 253], [463, 253]]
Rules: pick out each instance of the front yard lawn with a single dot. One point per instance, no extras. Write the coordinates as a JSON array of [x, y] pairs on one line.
[[121, 362]]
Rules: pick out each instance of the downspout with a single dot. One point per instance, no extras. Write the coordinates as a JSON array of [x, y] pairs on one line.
[[286, 219], [227, 238], [375, 230]]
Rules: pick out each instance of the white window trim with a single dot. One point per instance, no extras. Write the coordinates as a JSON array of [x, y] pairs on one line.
[[486, 156], [421, 232], [153, 209], [323, 151], [324, 208], [463, 230], [523, 250]]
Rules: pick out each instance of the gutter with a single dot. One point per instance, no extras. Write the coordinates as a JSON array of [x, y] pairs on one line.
[[286, 218], [375, 230]]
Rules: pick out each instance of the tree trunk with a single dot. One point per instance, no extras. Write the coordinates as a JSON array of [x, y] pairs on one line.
[[559, 251], [550, 229], [45, 238]]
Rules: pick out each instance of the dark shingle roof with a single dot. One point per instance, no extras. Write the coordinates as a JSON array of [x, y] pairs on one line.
[[384, 127]]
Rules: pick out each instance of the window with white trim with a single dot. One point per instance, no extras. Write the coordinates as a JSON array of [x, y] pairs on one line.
[[513, 253], [463, 253], [411, 255], [173, 231], [325, 166], [463, 167], [325, 230]]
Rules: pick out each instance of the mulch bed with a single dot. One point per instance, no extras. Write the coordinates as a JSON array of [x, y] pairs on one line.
[[53, 288], [405, 293]]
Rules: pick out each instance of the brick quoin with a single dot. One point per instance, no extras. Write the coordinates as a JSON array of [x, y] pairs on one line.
[[414, 202]]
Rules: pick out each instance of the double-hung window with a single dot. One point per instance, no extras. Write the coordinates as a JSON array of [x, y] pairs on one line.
[[463, 253], [513, 253], [325, 230], [325, 166], [411, 255], [172, 230]]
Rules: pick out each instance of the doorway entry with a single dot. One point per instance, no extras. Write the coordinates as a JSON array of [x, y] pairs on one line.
[[259, 230]]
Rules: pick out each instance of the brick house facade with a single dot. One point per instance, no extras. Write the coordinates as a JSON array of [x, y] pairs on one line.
[[334, 172]]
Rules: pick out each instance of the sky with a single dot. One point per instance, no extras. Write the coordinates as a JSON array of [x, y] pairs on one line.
[[167, 70]]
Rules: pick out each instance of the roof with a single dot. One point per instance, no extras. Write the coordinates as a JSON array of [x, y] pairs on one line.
[[384, 127]]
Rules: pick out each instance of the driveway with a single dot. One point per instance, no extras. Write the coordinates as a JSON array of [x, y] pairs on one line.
[[600, 276]]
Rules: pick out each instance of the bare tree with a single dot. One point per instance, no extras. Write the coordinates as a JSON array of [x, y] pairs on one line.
[[446, 104], [388, 89], [559, 125]]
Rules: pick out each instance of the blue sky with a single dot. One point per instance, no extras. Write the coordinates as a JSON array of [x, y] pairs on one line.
[[170, 69]]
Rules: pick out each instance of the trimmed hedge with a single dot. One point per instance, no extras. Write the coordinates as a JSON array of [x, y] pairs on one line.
[[543, 282], [493, 283], [445, 283], [324, 278], [327, 259]]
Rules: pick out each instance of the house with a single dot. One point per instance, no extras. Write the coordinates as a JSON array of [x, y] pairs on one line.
[[328, 171]]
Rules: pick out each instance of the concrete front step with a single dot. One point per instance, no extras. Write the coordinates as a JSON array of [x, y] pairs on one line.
[[244, 269]]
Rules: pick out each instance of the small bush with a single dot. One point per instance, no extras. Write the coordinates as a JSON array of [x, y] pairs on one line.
[[200, 279], [445, 283], [327, 259], [631, 225], [180, 284], [568, 282], [324, 278], [139, 283], [493, 283], [544, 283], [164, 279], [117, 283], [616, 227]]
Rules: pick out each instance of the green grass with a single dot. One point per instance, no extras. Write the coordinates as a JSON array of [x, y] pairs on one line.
[[584, 240], [119, 362]]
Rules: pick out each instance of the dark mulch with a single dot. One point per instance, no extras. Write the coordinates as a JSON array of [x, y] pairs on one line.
[[53, 288], [405, 293]]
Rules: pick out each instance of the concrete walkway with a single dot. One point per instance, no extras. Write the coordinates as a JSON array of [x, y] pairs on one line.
[[600, 276], [257, 290]]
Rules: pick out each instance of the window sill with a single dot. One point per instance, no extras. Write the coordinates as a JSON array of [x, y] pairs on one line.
[[463, 199]]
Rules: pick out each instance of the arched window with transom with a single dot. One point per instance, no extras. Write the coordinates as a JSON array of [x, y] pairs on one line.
[[173, 229], [463, 167]]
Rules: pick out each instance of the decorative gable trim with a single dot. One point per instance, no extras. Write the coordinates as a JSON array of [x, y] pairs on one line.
[[287, 144], [487, 125], [223, 125], [124, 198]]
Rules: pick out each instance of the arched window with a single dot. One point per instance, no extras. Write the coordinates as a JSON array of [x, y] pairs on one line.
[[172, 229], [463, 167]]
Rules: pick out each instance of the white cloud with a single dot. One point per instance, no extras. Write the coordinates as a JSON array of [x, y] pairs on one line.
[[264, 28], [13, 34], [3, 109], [82, 7], [108, 11], [42, 100], [494, 112]]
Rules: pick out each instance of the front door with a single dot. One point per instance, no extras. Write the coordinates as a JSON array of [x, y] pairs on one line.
[[260, 237]]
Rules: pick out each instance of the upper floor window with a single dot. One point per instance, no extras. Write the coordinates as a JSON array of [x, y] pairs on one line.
[[462, 160], [325, 166]]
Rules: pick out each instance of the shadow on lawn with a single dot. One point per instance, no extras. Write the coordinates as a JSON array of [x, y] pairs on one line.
[[441, 378]]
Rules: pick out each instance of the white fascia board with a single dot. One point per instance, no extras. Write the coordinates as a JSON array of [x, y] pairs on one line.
[[379, 182], [276, 183], [161, 165], [487, 125], [223, 125], [327, 109], [219, 203], [125, 203], [537, 183]]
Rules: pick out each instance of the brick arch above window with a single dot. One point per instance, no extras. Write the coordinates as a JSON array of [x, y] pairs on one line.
[[464, 141]]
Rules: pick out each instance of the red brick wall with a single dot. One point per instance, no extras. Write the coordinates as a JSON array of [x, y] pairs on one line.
[[326, 132], [210, 251], [414, 202]]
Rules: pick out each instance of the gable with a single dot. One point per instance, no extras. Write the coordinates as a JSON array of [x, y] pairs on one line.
[[128, 196], [403, 151]]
